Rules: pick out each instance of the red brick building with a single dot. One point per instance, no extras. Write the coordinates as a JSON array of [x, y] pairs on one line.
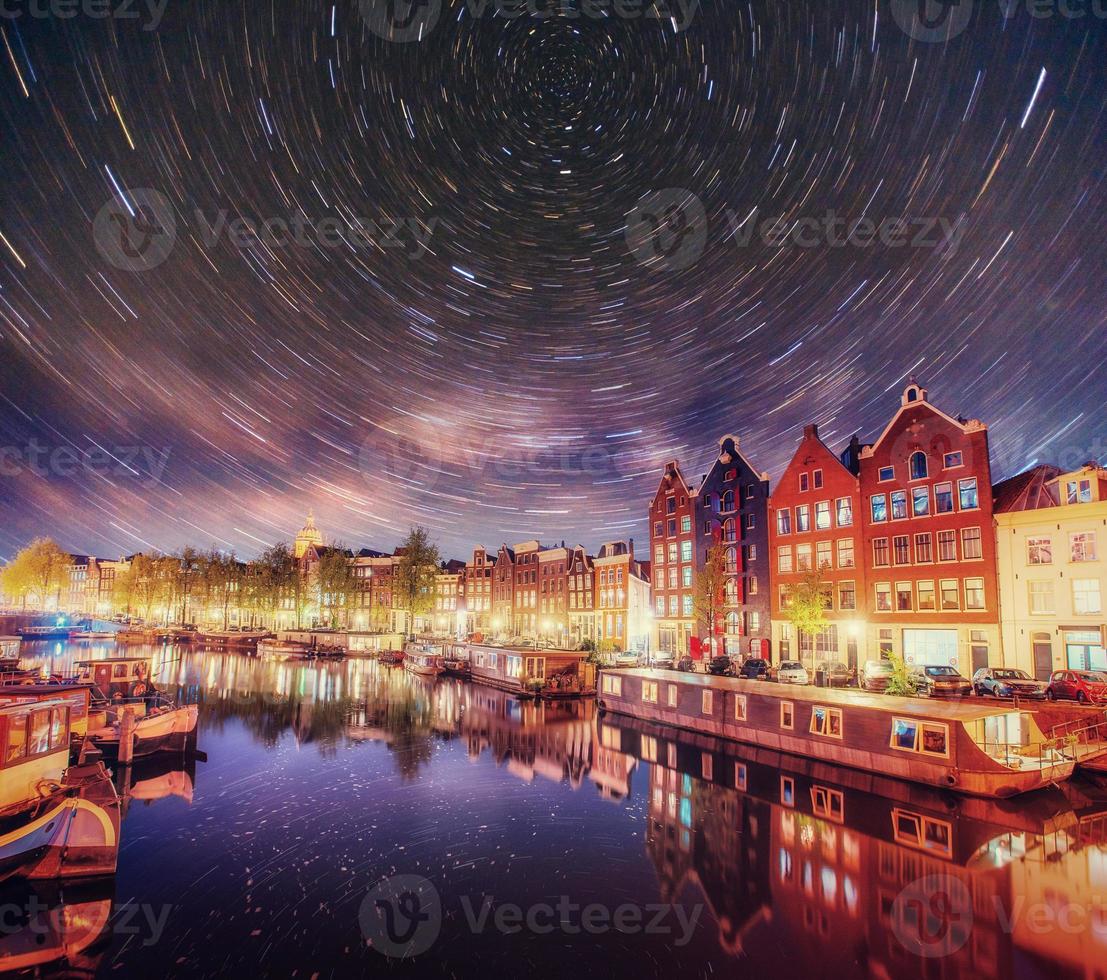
[[503, 592], [929, 541], [674, 543], [815, 526], [476, 592]]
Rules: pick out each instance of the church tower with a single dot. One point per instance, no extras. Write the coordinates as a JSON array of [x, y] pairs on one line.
[[309, 535]]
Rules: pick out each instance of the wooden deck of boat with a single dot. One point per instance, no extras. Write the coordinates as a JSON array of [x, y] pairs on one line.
[[954, 709]]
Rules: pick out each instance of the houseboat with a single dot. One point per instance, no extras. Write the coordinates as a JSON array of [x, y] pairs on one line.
[[56, 820], [982, 749], [87, 636], [77, 696], [533, 673], [422, 659], [391, 658], [456, 663], [237, 638]]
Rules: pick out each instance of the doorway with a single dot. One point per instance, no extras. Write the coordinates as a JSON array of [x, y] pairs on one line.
[[1043, 656]]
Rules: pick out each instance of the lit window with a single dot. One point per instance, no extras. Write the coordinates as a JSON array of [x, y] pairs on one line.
[[787, 715], [845, 553], [1041, 598], [883, 597], [803, 519], [966, 490], [822, 515], [899, 505], [847, 595], [879, 504], [927, 600], [784, 521], [970, 543], [739, 707], [845, 512], [920, 501], [784, 559]]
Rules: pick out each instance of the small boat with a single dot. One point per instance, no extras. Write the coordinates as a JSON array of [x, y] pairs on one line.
[[135, 636], [13, 672], [56, 820], [424, 662], [457, 666], [326, 652], [391, 658], [86, 635], [163, 728], [46, 632], [294, 648]]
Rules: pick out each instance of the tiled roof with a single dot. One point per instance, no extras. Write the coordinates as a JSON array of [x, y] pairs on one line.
[[1029, 490]]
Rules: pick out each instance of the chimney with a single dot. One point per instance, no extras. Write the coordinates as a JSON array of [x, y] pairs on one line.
[[632, 549], [811, 431]]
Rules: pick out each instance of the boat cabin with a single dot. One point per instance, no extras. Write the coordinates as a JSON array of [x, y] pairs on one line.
[[77, 696], [522, 670], [34, 739], [125, 677]]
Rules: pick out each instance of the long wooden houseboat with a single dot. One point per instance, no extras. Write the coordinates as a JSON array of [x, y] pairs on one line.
[[46, 632], [983, 749], [56, 820], [243, 638], [533, 673], [423, 659]]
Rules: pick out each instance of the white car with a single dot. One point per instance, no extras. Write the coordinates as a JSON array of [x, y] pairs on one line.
[[792, 672]]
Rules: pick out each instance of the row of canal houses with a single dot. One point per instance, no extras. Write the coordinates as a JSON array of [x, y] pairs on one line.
[[911, 546]]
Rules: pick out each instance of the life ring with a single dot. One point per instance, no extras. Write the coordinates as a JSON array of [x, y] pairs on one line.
[[138, 689]]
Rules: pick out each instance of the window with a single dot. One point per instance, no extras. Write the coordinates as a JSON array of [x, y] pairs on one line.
[[923, 552], [920, 501], [804, 482], [943, 498], [950, 598], [822, 515], [886, 473], [847, 595], [1078, 491], [685, 550], [817, 478], [659, 555], [726, 502], [672, 552], [739, 707], [686, 525], [929, 738], [686, 605], [901, 545], [612, 685], [903, 597], [829, 804], [803, 557], [670, 505], [899, 505], [730, 533], [880, 552], [927, 600], [751, 521], [918, 465], [754, 617], [672, 578], [1085, 596], [826, 721], [803, 519], [649, 691], [686, 576], [785, 596], [823, 557], [879, 505], [671, 527], [1039, 551], [947, 546], [660, 604], [708, 702], [1041, 598], [883, 597], [1082, 546], [784, 559], [966, 490], [673, 605], [845, 512], [730, 561], [740, 774], [845, 552], [950, 460], [751, 490], [970, 543], [784, 521], [787, 715], [974, 593]]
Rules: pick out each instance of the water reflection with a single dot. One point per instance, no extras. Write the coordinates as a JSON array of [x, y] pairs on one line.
[[355, 770]]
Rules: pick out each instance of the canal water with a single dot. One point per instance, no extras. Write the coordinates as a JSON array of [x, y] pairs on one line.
[[348, 819]]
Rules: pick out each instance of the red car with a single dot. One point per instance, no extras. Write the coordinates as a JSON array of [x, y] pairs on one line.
[[1085, 686]]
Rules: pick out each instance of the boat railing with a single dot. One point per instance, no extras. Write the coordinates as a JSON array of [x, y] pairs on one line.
[[1045, 755], [1081, 730]]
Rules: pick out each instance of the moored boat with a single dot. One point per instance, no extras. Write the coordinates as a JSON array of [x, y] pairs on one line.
[[56, 820], [533, 673], [87, 635], [46, 632], [391, 658], [422, 660], [164, 727], [231, 637], [990, 750]]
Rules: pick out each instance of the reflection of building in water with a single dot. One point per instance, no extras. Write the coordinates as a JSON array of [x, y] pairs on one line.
[[611, 766], [833, 865], [534, 738]]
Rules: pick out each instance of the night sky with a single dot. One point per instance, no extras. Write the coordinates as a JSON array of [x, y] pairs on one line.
[[538, 258]]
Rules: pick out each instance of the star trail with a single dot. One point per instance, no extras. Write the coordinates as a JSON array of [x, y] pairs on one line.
[[486, 267]]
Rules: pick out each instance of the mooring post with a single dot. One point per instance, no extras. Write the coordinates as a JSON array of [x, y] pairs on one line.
[[127, 736]]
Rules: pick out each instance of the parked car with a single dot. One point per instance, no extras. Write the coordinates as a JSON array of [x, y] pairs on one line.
[[936, 682], [792, 672], [626, 660], [1006, 682], [876, 675], [835, 673], [721, 666], [660, 661], [686, 664], [1085, 686], [756, 669]]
